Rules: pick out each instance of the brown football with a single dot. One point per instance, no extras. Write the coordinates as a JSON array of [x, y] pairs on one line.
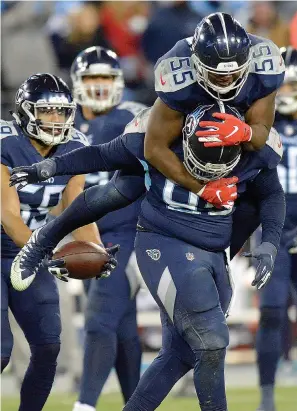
[[83, 260]]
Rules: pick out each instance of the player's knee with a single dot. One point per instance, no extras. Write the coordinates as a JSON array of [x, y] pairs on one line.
[[45, 354], [207, 331], [272, 317], [4, 362]]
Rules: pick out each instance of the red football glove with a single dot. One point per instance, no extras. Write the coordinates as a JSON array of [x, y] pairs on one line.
[[220, 193], [230, 132]]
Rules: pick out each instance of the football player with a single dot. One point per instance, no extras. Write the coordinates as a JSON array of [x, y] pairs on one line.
[[223, 62], [42, 127], [274, 298], [111, 328], [180, 243]]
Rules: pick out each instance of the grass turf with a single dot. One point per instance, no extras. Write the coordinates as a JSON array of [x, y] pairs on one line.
[[238, 399]]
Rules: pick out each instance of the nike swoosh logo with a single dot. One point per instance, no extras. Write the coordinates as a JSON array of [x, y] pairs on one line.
[[233, 132], [16, 279], [279, 144], [218, 195], [162, 81]]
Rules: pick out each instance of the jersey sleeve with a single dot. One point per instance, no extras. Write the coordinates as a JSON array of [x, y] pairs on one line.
[[103, 157], [267, 63], [174, 75], [271, 154]]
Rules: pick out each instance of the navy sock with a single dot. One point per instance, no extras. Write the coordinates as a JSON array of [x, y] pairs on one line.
[[209, 379], [4, 363], [99, 358], [39, 377], [269, 343], [157, 381], [128, 365]]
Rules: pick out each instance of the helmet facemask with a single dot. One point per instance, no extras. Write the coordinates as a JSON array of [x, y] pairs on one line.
[[223, 69], [50, 133], [101, 96]]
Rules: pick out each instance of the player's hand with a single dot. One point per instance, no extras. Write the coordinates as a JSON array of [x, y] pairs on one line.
[[230, 132], [21, 176], [265, 253], [290, 238], [57, 268], [111, 264], [220, 193]]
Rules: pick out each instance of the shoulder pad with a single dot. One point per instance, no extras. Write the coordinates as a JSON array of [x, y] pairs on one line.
[[139, 123], [79, 137], [132, 106], [7, 129], [175, 70], [266, 58]]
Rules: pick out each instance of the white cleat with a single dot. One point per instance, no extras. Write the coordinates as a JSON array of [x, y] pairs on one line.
[[82, 407], [26, 264]]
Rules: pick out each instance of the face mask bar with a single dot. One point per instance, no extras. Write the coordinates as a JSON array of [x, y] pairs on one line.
[[99, 97], [50, 133], [217, 92]]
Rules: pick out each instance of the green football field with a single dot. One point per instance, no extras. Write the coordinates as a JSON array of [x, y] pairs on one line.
[[238, 399]]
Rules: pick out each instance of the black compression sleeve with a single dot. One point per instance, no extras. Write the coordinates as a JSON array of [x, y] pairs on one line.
[[103, 157], [271, 203]]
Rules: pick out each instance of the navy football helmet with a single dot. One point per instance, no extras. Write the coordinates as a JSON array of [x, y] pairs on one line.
[[99, 62], [208, 163], [221, 53], [286, 102], [39, 96]]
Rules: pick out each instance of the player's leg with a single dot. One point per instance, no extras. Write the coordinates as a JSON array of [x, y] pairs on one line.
[[182, 280], [273, 306], [108, 302], [6, 334], [37, 312], [174, 360], [128, 361]]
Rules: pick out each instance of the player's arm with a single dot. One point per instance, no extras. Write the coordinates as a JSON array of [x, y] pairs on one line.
[[252, 133], [103, 157], [75, 186], [11, 219], [260, 117], [164, 127], [272, 210]]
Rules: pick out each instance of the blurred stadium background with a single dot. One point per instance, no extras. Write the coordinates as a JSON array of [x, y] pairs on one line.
[[45, 36]]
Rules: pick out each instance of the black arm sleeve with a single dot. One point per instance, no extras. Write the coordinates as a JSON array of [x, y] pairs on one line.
[[271, 203], [103, 157]]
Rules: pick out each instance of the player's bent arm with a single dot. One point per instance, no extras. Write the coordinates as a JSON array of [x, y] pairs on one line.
[[164, 127], [11, 218], [270, 197], [260, 117], [75, 186]]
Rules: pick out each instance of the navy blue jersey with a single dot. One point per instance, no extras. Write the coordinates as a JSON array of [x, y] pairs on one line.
[[36, 200], [103, 129], [172, 210], [176, 83], [287, 170]]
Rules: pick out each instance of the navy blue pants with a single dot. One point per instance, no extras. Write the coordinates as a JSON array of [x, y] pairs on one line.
[[36, 309]]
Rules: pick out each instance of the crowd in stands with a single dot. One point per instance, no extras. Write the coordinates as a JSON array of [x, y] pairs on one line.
[[46, 36]]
